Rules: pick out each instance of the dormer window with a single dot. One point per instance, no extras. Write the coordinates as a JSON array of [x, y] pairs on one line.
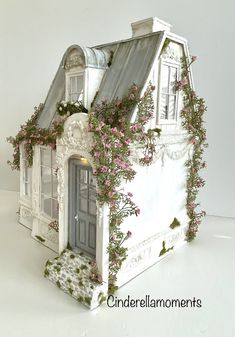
[[168, 95], [75, 87]]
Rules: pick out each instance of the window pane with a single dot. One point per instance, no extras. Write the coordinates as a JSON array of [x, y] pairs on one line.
[[75, 88], [83, 176], [25, 171], [46, 157], [92, 208], [55, 209], [92, 179], [26, 189], [53, 158], [79, 84], [73, 84], [83, 205], [46, 204], [54, 183], [165, 78], [172, 101], [46, 180], [173, 80], [83, 189], [164, 106]]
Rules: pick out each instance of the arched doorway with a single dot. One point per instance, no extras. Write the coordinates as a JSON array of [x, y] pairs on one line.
[[82, 207]]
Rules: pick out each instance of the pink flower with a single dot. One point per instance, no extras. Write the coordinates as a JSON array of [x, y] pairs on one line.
[[97, 154], [194, 141], [111, 194], [130, 194], [112, 204], [191, 206], [137, 211], [129, 234], [104, 169], [194, 58], [107, 182]]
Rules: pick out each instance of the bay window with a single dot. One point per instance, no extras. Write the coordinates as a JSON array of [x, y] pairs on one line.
[[49, 202]]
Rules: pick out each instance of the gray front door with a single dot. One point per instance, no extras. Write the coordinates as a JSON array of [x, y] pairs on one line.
[[82, 207]]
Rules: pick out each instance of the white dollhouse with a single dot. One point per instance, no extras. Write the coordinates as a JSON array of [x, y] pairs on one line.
[[60, 186]]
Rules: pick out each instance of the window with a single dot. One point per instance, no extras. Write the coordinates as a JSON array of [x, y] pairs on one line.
[[75, 87], [27, 174], [168, 94], [49, 203]]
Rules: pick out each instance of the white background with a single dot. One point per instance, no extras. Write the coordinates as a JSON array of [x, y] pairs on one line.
[[35, 34]]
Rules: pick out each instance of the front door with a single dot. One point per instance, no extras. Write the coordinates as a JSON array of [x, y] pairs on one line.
[[82, 207]]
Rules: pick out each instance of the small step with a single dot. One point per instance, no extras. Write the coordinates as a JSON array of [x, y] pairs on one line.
[[77, 275]]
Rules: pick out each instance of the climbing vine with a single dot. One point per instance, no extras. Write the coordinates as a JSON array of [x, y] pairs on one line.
[[30, 134], [113, 135], [192, 120]]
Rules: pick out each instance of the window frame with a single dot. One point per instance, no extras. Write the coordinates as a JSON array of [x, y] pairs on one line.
[[51, 194], [68, 77], [172, 64]]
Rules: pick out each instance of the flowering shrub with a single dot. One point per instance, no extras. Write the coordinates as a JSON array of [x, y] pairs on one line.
[[32, 135], [69, 108], [192, 121], [113, 135]]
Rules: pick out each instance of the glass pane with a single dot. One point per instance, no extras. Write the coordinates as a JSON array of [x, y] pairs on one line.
[[83, 189], [82, 231], [92, 208], [83, 176], [72, 84], [25, 171], [79, 84], [46, 157], [73, 97], [55, 209], [92, 235], [53, 159], [83, 205], [164, 106], [92, 179], [54, 183], [165, 78], [173, 80], [46, 180], [92, 193], [172, 101], [26, 189], [46, 204], [76, 88]]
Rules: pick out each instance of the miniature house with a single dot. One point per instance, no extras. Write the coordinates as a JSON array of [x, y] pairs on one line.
[[60, 185]]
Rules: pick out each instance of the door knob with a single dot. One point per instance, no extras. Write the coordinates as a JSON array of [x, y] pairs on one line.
[[76, 217]]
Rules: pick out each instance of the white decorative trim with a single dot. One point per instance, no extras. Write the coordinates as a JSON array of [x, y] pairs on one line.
[[174, 146], [74, 59], [146, 253], [77, 141], [171, 53]]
